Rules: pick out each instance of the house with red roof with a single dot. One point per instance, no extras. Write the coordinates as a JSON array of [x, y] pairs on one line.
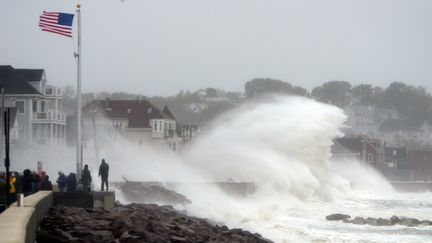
[[139, 121]]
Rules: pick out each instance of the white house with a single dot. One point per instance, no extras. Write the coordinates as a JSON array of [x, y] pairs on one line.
[[138, 121], [39, 119]]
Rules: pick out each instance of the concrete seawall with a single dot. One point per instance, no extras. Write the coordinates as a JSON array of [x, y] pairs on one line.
[[19, 224], [412, 186]]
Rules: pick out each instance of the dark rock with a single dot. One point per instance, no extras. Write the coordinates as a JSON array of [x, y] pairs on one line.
[[174, 238], [425, 222], [371, 221], [151, 193], [358, 220], [409, 221], [346, 220], [383, 222], [135, 223], [395, 220], [337, 216]]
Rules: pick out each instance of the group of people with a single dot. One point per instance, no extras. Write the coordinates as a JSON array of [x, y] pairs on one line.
[[69, 183], [31, 182]]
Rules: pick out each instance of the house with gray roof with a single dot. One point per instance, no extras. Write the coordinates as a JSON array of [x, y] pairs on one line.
[[366, 120], [39, 116], [361, 120]]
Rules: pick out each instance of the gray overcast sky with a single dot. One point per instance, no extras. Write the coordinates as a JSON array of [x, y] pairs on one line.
[[157, 47]]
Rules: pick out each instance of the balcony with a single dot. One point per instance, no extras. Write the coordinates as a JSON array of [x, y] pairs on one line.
[[169, 133], [50, 116], [51, 92]]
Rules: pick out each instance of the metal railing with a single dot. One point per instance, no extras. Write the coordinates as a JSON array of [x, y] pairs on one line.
[[49, 116]]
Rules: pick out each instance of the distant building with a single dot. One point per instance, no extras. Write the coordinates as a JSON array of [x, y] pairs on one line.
[[420, 162], [406, 132], [363, 120], [39, 118], [396, 157], [359, 148], [137, 120]]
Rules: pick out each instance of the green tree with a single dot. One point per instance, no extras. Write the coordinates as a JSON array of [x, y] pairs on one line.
[[412, 102], [334, 92], [260, 86]]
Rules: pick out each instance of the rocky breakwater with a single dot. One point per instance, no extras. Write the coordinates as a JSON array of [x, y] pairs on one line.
[[394, 220], [154, 192], [135, 223]]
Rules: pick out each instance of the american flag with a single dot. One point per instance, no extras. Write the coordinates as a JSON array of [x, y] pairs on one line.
[[58, 23]]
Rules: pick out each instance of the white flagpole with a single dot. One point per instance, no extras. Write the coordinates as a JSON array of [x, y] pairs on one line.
[[78, 142]]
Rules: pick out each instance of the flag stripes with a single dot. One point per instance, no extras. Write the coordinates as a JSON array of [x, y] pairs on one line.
[[58, 23]]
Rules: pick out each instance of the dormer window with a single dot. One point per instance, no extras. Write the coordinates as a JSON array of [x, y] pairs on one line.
[[129, 110], [149, 110]]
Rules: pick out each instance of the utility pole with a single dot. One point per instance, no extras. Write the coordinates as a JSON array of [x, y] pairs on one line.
[[78, 138], [6, 160], [2, 105]]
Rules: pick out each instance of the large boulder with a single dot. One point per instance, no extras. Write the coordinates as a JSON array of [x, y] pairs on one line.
[[337, 216], [358, 220], [394, 220], [151, 193]]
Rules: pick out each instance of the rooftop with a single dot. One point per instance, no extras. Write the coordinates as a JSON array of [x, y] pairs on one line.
[[138, 112]]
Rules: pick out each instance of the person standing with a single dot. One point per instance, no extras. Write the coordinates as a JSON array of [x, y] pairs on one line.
[[61, 182], [86, 179], [26, 182], [71, 182], [103, 173], [46, 184]]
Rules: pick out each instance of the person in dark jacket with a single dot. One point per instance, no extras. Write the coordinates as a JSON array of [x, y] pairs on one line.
[[61, 181], [3, 188], [46, 184], [86, 179], [103, 173], [71, 182], [35, 182], [26, 182]]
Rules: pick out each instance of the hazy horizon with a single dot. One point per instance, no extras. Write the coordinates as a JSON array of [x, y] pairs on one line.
[[160, 47]]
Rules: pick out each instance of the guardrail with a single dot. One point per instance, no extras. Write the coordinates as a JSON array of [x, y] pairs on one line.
[[19, 224]]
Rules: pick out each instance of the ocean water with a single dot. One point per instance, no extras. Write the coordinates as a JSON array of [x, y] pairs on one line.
[[283, 146]]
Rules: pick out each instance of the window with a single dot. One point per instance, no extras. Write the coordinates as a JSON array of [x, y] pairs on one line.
[[34, 106], [149, 110], [370, 158], [43, 106], [52, 104], [20, 106], [117, 124], [155, 126], [49, 91]]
